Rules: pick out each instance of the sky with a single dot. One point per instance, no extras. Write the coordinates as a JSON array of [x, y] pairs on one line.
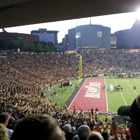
[[115, 22]]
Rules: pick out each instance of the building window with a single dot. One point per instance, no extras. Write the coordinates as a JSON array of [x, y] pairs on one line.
[[99, 33], [113, 47], [113, 40], [78, 35]]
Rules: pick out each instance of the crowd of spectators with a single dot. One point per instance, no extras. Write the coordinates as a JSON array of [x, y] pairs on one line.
[[24, 76], [111, 63]]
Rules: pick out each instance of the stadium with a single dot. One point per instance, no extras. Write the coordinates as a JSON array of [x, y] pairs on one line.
[[78, 95], [33, 83]]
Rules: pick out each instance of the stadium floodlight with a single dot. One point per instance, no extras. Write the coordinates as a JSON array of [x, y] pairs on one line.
[[18, 49], [78, 35]]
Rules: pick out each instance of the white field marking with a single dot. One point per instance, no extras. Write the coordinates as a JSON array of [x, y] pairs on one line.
[[62, 98], [131, 88], [121, 94], [106, 96], [122, 81], [137, 81], [77, 94], [127, 81]]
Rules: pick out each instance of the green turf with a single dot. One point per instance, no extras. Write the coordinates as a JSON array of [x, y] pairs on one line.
[[122, 97], [115, 98], [62, 94]]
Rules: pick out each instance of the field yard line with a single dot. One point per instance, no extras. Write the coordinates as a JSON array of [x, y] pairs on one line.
[[62, 98], [77, 93], [121, 93], [106, 96], [131, 88], [137, 81]]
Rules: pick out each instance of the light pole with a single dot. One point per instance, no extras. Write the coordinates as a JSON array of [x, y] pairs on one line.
[[78, 35]]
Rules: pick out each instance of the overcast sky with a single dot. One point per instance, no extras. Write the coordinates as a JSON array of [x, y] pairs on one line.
[[115, 22]]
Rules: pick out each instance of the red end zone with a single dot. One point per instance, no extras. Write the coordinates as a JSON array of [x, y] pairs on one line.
[[91, 95]]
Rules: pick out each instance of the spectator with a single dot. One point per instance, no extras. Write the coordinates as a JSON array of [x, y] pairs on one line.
[[4, 118], [95, 136], [68, 132], [3, 132], [37, 127], [92, 111], [105, 135], [133, 112], [96, 109], [83, 133], [114, 126]]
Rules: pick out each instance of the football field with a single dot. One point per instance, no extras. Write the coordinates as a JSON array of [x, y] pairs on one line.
[[81, 96], [101, 97], [124, 96]]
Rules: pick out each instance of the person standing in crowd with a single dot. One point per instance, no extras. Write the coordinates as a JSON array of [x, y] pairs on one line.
[[83, 133], [114, 127], [96, 113], [68, 132], [3, 132], [133, 113], [37, 127], [4, 119], [96, 110], [95, 136], [105, 135], [92, 111]]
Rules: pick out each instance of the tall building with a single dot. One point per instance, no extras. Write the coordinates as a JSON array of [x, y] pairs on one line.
[[46, 35], [129, 38], [88, 37]]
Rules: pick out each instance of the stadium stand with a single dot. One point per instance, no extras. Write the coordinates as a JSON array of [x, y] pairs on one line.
[[24, 76]]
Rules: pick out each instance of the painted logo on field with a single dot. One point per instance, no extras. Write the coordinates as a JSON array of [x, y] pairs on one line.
[[93, 90]]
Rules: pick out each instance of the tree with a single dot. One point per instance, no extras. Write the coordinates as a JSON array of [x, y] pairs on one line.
[[21, 44], [52, 47], [39, 48], [12, 45], [46, 48], [31, 47], [2, 44]]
